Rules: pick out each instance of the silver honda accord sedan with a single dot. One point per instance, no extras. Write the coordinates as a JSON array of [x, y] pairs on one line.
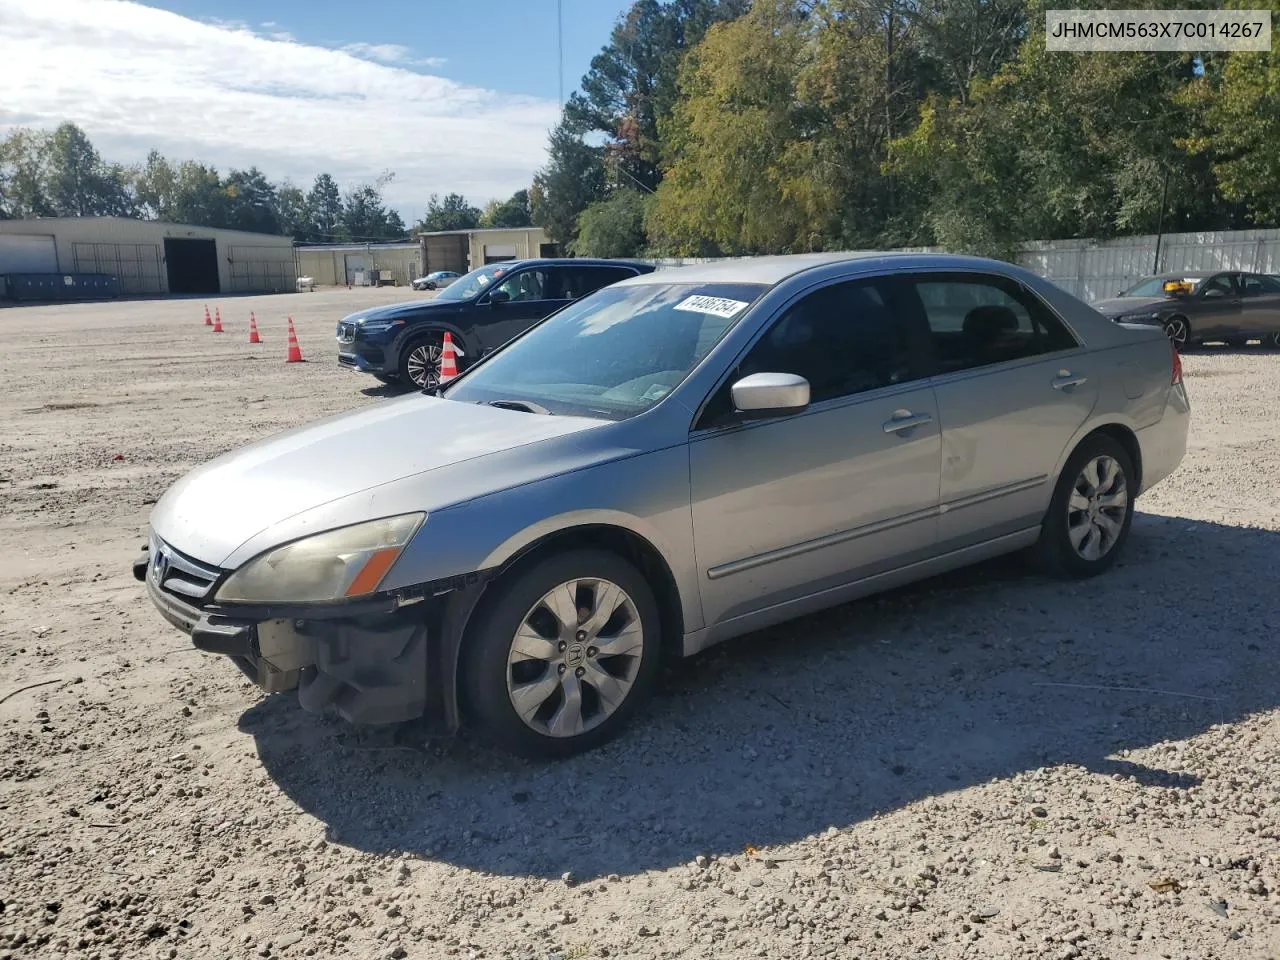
[[675, 460]]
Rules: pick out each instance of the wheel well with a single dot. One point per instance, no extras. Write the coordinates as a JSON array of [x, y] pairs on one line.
[[627, 544], [1127, 439]]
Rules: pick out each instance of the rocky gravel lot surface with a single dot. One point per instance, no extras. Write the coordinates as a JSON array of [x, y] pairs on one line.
[[988, 764]]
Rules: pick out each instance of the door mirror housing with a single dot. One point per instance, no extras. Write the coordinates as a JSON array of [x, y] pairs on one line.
[[499, 296], [770, 394]]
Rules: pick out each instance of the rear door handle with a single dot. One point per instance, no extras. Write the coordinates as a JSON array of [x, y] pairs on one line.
[[1066, 378], [905, 420]]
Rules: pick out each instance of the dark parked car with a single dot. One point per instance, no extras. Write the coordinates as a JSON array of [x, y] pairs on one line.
[[482, 310], [1194, 307]]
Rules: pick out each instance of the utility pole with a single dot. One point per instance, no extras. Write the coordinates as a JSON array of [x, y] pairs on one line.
[[1164, 196]]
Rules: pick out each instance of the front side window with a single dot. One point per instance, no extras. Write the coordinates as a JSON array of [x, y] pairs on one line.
[[844, 339], [1217, 287], [975, 322], [612, 354], [525, 286]]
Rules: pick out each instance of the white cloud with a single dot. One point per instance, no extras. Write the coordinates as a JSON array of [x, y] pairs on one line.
[[135, 78], [392, 53]]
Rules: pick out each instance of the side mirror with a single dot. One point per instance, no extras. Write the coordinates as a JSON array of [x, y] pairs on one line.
[[499, 296], [770, 394]]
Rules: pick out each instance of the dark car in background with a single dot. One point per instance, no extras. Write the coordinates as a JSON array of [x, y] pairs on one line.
[[1228, 306], [482, 310]]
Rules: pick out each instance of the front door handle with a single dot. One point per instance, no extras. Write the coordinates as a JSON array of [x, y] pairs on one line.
[[905, 420], [1066, 378]]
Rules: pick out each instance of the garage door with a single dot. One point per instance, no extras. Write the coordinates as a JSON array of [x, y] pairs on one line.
[[26, 253], [356, 269], [499, 252]]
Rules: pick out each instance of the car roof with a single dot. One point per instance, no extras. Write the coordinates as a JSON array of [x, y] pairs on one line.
[[773, 270], [572, 262]]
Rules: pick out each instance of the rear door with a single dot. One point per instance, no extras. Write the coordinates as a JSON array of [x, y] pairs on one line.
[[578, 281], [1013, 387], [1259, 305]]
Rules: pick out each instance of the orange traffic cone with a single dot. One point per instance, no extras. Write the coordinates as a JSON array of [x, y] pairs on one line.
[[295, 352], [208, 320], [217, 320], [253, 329], [448, 360]]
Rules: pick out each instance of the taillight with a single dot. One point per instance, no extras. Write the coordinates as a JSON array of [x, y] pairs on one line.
[[1177, 367]]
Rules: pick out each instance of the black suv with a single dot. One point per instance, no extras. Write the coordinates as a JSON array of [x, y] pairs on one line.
[[483, 310]]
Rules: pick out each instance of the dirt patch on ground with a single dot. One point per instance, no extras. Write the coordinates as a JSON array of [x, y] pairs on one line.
[[986, 764]]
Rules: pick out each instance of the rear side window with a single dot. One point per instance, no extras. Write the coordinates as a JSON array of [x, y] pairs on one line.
[[1257, 285], [579, 281], [980, 321]]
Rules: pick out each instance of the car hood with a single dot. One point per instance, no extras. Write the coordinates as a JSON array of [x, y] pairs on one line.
[[412, 453], [1115, 306], [394, 311]]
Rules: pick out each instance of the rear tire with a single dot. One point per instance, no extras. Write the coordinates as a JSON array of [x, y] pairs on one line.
[[564, 655], [1092, 508]]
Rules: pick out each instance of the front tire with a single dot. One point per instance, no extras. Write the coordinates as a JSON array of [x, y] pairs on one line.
[[1091, 511], [564, 656], [420, 361], [1178, 330]]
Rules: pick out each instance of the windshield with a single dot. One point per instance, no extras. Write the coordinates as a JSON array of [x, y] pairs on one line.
[[613, 354], [1154, 286], [474, 283]]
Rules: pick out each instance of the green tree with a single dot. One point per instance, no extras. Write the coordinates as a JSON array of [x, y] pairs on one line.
[[23, 176], [512, 212], [1236, 105], [451, 213], [198, 196], [366, 217], [743, 155], [155, 186], [252, 202], [291, 207], [324, 209], [77, 182], [614, 227], [573, 178]]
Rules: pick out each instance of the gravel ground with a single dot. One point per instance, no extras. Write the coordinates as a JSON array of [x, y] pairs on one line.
[[988, 764]]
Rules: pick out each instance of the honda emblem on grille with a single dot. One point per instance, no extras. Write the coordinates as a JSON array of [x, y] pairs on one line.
[[160, 565]]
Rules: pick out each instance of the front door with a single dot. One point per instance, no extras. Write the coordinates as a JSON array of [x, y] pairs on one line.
[[515, 303], [1214, 309], [789, 507], [1013, 388]]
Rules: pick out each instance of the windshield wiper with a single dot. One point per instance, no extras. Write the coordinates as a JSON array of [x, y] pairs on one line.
[[528, 406]]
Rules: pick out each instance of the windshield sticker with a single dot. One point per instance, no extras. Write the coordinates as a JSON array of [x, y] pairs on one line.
[[717, 306], [482, 280]]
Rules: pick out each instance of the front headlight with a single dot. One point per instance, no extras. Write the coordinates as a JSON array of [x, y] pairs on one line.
[[337, 565], [1147, 317], [380, 326]]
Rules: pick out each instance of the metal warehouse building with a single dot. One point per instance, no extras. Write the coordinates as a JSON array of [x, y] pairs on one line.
[[463, 250], [148, 256], [334, 264]]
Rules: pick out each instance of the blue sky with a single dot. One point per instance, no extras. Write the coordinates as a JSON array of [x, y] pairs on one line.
[[503, 45], [448, 96]]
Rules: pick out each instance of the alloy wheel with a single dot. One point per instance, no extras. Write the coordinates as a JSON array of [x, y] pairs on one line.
[[423, 364], [1096, 508], [1177, 331], [575, 657]]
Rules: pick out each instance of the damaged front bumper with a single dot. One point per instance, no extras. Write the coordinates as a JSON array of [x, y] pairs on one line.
[[366, 659]]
